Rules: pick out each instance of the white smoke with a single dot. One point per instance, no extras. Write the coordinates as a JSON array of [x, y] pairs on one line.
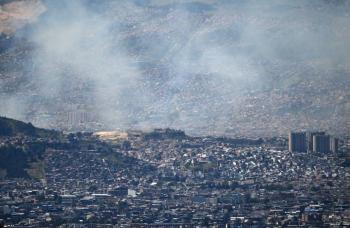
[[182, 64]]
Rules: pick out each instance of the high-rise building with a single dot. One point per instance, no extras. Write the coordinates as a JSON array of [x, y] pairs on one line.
[[321, 143], [311, 137], [334, 145], [297, 142]]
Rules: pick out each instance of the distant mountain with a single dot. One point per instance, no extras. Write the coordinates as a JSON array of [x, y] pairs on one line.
[[250, 68]]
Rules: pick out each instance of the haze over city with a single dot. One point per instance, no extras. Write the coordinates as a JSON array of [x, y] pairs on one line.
[[174, 113], [208, 67]]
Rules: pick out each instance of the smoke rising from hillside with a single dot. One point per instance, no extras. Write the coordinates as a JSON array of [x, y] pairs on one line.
[[186, 65], [77, 46]]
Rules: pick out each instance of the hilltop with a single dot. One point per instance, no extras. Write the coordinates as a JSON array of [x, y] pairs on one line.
[[22, 148], [10, 127], [25, 148]]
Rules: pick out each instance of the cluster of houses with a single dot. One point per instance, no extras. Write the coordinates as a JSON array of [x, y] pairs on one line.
[[167, 179]]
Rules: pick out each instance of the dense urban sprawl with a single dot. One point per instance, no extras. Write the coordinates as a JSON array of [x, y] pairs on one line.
[[165, 178]]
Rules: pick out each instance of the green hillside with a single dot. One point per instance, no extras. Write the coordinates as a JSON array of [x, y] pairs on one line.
[[22, 158], [11, 127]]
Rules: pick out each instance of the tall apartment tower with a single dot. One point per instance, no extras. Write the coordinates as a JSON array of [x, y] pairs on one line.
[[334, 145], [297, 142], [321, 143], [310, 139]]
